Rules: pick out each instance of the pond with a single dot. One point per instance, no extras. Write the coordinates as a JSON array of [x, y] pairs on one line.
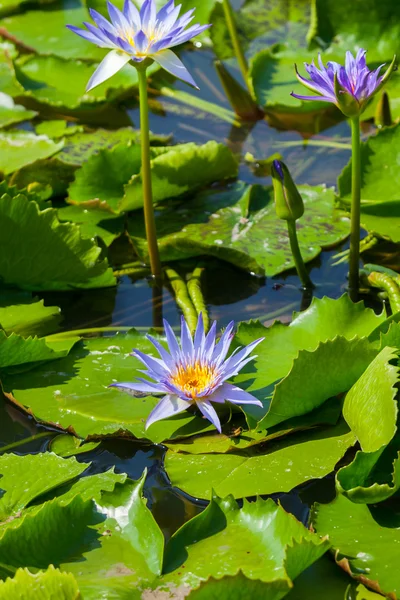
[[297, 495]]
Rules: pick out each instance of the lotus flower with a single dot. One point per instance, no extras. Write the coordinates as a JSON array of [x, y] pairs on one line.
[[193, 372], [136, 36], [349, 87]]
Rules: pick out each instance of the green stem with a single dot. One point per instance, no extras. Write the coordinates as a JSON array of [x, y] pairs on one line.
[[385, 282], [237, 47], [182, 298], [196, 295], [149, 219], [355, 209], [37, 436], [298, 260]]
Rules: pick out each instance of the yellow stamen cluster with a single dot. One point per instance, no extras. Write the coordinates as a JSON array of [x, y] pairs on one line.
[[193, 379]]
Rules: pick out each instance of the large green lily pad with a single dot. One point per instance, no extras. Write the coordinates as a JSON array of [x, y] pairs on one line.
[[11, 113], [74, 395], [62, 260], [366, 544], [260, 539], [20, 313], [274, 467], [16, 350], [21, 148], [240, 225]]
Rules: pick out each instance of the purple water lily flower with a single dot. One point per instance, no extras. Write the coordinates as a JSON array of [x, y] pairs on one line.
[[349, 87], [134, 35], [193, 372]]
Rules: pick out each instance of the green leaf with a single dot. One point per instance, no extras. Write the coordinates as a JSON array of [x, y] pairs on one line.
[[22, 314], [366, 544], [24, 478], [8, 80], [370, 408], [44, 32], [280, 466], [21, 148], [324, 579], [380, 181], [47, 585], [220, 224], [104, 175], [66, 445], [356, 25], [324, 320], [113, 175], [11, 113], [372, 476], [62, 260], [329, 370], [76, 395], [16, 350], [94, 220], [260, 539], [239, 587], [182, 169]]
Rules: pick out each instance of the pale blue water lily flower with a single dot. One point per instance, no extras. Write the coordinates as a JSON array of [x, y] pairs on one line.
[[193, 372], [134, 35]]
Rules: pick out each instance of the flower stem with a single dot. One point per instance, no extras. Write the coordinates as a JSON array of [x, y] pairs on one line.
[[24, 441], [355, 209], [237, 46], [298, 260], [182, 298], [150, 224]]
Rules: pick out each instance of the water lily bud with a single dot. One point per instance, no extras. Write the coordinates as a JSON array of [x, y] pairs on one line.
[[383, 115], [288, 202]]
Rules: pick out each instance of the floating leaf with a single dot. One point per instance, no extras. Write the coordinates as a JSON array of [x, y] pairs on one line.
[[21, 148], [75, 395], [260, 539], [372, 476], [16, 350], [217, 223], [94, 220], [278, 466], [22, 314], [46, 585], [370, 408], [366, 544], [346, 26], [11, 113], [62, 260]]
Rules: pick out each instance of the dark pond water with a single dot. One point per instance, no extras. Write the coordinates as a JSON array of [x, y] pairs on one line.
[[230, 294]]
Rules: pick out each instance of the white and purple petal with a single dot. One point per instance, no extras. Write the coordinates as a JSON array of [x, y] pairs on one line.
[[209, 412], [168, 406], [171, 63], [110, 65]]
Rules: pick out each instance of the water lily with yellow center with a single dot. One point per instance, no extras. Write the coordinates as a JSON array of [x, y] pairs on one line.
[[193, 372], [134, 35]]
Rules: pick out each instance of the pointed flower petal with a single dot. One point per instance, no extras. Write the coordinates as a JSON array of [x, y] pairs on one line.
[[167, 407], [171, 63], [111, 64], [210, 413]]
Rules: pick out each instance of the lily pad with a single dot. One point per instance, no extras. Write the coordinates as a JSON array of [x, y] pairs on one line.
[[49, 584], [344, 26], [370, 407], [372, 476], [278, 466], [75, 394], [21, 148], [260, 539], [240, 225], [11, 113], [22, 314], [366, 544], [62, 260], [94, 220], [380, 181], [175, 171], [16, 350]]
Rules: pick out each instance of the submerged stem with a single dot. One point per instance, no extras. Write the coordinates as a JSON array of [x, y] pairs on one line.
[[150, 224], [355, 209], [237, 46], [298, 259]]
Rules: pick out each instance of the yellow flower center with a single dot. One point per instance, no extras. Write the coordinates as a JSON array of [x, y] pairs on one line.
[[193, 379]]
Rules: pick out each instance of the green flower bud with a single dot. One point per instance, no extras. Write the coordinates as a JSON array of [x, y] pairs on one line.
[[288, 202]]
